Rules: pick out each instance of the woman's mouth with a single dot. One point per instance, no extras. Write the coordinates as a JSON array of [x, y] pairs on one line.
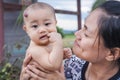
[[76, 43]]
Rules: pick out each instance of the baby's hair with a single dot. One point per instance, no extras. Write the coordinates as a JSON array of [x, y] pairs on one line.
[[38, 5], [25, 14]]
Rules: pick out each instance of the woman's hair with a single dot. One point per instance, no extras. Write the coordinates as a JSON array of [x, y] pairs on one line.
[[109, 24]]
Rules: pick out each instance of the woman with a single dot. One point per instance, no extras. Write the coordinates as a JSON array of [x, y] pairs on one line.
[[97, 49]]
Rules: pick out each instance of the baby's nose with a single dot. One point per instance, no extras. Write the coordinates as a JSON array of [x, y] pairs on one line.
[[41, 30]]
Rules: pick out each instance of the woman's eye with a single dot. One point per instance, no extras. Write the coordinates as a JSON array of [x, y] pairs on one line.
[[34, 26], [85, 35], [47, 24]]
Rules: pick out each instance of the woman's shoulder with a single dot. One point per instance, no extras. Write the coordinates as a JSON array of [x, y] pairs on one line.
[[116, 76], [74, 59], [73, 68]]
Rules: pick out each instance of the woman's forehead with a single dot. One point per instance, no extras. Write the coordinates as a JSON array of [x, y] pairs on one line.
[[95, 15], [92, 20]]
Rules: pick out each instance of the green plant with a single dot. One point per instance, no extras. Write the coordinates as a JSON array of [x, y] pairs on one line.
[[60, 30], [25, 3], [10, 70], [20, 17]]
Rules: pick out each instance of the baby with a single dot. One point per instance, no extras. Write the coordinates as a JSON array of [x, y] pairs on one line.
[[46, 46]]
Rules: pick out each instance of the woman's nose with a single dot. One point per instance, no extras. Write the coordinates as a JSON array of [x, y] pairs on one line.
[[78, 34]]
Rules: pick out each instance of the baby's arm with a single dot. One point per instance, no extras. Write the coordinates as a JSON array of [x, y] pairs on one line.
[[67, 53], [56, 55]]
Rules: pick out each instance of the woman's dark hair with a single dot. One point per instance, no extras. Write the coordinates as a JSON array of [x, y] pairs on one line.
[[110, 24]]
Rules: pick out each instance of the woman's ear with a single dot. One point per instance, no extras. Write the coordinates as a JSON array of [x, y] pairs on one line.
[[113, 54]]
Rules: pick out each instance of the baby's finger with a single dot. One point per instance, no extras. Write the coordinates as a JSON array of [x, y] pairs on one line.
[[65, 50], [48, 34]]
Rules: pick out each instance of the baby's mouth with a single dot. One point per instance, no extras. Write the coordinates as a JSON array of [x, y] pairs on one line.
[[43, 37]]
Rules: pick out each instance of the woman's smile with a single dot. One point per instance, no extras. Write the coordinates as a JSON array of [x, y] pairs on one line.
[[76, 43]]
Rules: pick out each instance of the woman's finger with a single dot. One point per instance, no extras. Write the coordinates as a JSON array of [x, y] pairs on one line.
[[35, 76], [39, 67], [24, 75], [36, 71], [27, 60]]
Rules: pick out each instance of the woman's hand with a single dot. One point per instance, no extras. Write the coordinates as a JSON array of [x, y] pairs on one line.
[[31, 70], [36, 73], [24, 75]]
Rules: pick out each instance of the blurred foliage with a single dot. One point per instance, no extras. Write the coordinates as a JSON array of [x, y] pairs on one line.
[[25, 3], [19, 20], [60, 30], [10, 70], [68, 40]]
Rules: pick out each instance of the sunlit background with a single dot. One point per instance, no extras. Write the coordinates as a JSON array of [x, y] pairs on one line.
[[69, 22]]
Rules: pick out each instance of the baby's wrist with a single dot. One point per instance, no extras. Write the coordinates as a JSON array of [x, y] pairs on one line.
[[58, 43]]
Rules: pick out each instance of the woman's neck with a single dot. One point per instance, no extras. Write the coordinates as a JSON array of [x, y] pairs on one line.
[[103, 72]]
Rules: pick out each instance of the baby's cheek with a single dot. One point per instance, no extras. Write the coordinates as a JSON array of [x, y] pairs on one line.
[[53, 29]]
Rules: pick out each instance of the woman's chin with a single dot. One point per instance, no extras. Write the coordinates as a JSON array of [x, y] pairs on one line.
[[77, 51]]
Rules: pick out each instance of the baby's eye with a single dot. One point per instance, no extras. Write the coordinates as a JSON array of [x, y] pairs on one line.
[[47, 24], [34, 26]]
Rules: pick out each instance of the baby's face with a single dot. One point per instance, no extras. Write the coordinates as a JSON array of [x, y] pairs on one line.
[[38, 24]]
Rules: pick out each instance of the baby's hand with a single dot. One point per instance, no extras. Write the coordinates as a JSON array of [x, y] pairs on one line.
[[67, 53], [55, 37]]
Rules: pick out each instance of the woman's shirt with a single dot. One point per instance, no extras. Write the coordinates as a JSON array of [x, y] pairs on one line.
[[75, 69]]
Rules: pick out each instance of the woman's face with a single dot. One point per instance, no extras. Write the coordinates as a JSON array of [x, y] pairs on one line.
[[87, 41]]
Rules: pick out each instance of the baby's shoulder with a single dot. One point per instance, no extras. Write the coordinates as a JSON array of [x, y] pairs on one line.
[[37, 49]]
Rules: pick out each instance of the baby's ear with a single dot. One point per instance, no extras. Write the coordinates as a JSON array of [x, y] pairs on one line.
[[24, 27], [56, 21], [113, 54]]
